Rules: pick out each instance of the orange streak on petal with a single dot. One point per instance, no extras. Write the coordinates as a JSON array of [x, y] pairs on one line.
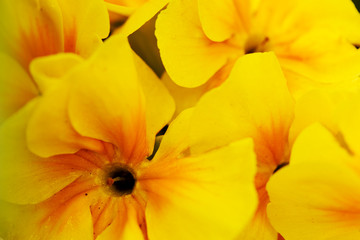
[[39, 40], [103, 213], [70, 38], [56, 205]]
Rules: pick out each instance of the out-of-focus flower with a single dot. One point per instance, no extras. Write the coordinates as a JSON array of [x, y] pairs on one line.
[[107, 111], [313, 41], [31, 29], [317, 195], [254, 102]]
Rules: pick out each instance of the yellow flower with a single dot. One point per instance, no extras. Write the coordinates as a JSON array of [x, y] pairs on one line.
[[33, 28], [317, 195], [254, 102], [107, 111], [313, 41]]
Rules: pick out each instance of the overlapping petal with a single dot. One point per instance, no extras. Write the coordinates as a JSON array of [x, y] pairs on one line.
[[25, 178], [317, 196], [49, 131], [31, 29], [191, 186], [124, 94], [14, 94], [51, 26], [188, 43], [314, 49], [254, 102]]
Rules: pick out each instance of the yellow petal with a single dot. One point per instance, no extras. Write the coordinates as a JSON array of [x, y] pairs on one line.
[[317, 196], [253, 102], [326, 106], [222, 19], [211, 196], [51, 26], [37, 33], [16, 88], [159, 104], [86, 23], [316, 106], [309, 64], [47, 70], [49, 131], [74, 222], [118, 11], [9, 213], [349, 117], [26, 178], [107, 102], [141, 15], [316, 143], [340, 16], [259, 227], [125, 225], [184, 97], [175, 142], [187, 49]]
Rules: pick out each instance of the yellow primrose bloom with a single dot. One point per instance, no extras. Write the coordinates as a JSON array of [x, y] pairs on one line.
[[314, 42], [107, 111], [253, 102], [33, 28]]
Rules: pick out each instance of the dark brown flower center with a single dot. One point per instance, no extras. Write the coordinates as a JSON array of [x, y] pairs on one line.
[[119, 180], [256, 43]]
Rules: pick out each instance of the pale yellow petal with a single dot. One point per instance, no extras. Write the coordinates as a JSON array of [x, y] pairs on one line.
[[16, 88]]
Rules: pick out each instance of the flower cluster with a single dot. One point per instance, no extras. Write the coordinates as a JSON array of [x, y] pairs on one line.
[[179, 119]]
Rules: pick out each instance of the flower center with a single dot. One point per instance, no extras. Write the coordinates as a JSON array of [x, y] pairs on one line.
[[256, 43], [119, 180]]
